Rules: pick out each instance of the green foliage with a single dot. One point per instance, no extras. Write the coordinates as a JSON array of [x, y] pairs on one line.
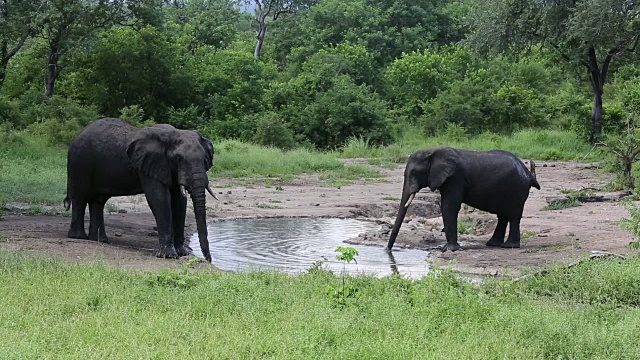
[[416, 78], [327, 110], [113, 78], [342, 294], [633, 222], [346, 254], [134, 115], [271, 131], [9, 112], [466, 226], [59, 119], [186, 118]]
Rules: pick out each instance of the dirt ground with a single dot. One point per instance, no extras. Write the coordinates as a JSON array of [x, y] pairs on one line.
[[559, 236]]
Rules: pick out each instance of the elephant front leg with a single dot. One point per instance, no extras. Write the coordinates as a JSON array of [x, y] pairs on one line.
[[179, 210], [159, 199], [450, 211]]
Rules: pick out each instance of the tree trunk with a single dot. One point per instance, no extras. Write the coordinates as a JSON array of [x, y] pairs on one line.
[[4, 60], [53, 70], [596, 115], [262, 31]]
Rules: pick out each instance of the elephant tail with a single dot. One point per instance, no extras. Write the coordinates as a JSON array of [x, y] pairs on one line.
[[534, 180], [67, 201]]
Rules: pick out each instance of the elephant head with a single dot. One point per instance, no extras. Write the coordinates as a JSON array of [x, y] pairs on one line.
[[177, 158], [424, 168]]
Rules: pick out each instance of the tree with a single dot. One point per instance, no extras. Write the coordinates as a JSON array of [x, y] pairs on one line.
[[15, 28], [587, 34], [65, 24], [273, 9]]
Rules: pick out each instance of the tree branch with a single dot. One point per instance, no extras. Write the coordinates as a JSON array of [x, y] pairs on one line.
[[23, 38]]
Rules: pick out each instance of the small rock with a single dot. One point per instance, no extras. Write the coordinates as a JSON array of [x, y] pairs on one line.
[[315, 204], [122, 211], [220, 192], [544, 165], [229, 192], [552, 165], [226, 203], [152, 233], [118, 234]]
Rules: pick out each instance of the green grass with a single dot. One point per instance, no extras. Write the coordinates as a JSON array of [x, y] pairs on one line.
[[31, 171], [534, 144], [52, 309]]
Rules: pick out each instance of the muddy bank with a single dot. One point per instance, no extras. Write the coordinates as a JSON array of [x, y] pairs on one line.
[[548, 236]]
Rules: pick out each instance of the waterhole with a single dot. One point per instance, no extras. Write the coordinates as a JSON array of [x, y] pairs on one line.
[[294, 245]]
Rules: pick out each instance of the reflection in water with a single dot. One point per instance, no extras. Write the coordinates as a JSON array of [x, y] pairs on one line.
[[293, 245]]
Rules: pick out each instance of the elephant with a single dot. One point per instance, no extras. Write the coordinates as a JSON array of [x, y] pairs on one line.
[[495, 181], [112, 158]]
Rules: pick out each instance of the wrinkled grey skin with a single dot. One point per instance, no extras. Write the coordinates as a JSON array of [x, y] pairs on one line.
[[495, 181], [112, 158]]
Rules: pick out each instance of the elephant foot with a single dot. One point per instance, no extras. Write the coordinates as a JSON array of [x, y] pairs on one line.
[[77, 234], [102, 238], [451, 246], [167, 252], [184, 250], [511, 244], [495, 242]]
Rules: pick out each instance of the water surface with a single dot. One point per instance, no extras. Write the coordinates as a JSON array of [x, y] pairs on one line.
[[293, 245]]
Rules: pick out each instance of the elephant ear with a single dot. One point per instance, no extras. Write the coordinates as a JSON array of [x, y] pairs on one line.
[[147, 153], [208, 148], [443, 164]]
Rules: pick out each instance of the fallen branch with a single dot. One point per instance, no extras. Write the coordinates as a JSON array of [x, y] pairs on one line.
[[588, 198]]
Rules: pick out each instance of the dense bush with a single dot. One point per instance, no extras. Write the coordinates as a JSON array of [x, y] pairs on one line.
[[60, 119], [271, 131]]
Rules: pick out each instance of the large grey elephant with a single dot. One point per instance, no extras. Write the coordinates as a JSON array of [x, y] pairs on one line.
[[495, 181], [112, 158]]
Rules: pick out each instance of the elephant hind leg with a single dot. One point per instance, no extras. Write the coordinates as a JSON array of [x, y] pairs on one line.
[[96, 215], [78, 207], [497, 239], [513, 241]]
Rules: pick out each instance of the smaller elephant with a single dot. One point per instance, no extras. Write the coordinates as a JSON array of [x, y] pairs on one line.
[[112, 158], [495, 181]]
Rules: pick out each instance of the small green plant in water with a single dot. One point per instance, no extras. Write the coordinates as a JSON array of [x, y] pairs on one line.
[[340, 295]]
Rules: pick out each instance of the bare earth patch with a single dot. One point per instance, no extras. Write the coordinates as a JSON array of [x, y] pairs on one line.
[[559, 236]]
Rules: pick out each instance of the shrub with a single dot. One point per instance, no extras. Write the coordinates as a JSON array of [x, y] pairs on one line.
[[271, 131], [187, 118], [133, 115], [60, 119], [8, 111]]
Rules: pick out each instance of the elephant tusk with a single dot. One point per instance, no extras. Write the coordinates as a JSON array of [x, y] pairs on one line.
[[183, 191], [410, 200], [211, 192]]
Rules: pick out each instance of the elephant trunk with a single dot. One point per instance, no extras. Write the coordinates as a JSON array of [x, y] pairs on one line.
[[199, 209], [407, 197]]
